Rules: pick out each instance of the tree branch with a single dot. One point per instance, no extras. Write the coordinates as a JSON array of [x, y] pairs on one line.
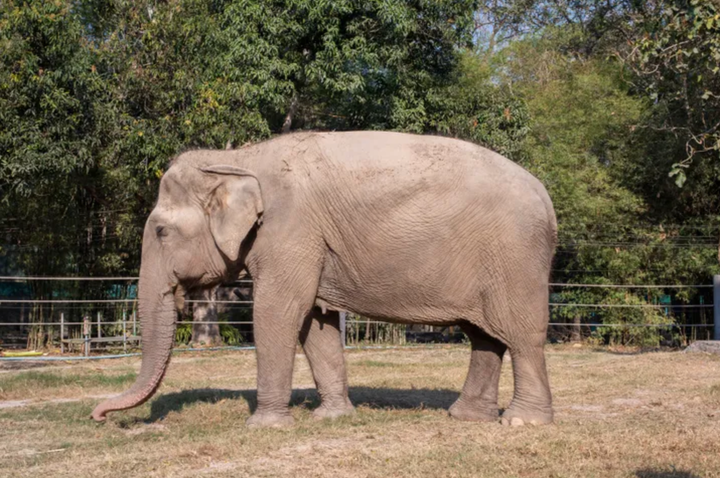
[[287, 124]]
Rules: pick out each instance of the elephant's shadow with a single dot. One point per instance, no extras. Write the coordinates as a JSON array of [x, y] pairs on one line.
[[672, 473], [378, 398]]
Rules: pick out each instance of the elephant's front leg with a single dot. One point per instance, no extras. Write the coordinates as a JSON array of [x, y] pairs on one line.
[[279, 309], [320, 338]]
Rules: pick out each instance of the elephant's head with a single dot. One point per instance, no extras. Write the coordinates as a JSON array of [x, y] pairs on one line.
[[192, 239]]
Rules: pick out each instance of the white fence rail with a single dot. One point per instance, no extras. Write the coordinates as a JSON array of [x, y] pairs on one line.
[[129, 321]]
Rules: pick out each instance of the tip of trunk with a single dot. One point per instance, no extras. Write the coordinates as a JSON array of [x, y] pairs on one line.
[[99, 414], [136, 396]]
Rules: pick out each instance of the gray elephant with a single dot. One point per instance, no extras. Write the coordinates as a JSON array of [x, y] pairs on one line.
[[361, 222]]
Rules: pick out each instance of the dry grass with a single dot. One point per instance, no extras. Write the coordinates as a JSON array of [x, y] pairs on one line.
[[618, 414]]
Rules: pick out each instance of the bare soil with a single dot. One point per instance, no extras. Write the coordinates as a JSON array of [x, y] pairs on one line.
[[618, 413]]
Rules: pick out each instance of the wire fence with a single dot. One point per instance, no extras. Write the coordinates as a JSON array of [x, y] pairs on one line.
[[90, 325]]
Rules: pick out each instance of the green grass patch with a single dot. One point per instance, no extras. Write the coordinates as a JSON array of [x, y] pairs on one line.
[[374, 363], [46, 380], [75, 413]]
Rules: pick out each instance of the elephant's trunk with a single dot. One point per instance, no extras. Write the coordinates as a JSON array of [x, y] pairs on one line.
[[156, 307]]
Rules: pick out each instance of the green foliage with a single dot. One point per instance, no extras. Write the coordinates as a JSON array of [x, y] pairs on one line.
[[633, 326], [587, 144], [231, 335], [56, 128], [183, 334], [678, 63], [582, 117], [96, 96], [476, 109]]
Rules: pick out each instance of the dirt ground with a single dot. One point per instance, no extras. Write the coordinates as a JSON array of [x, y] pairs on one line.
[[618, 413]]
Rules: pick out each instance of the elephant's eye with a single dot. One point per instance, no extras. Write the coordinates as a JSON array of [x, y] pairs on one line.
[[160, 231]]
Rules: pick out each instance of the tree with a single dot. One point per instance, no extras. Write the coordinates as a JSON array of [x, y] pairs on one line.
[[56, 125], [598, 26], [677, 61], [586, 144], [97, 96], [475, 108]]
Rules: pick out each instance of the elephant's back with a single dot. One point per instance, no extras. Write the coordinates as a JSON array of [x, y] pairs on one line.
[[416, 157], [401, 158], [396, 165]]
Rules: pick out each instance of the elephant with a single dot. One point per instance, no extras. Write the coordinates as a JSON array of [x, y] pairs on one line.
[[359, 221]]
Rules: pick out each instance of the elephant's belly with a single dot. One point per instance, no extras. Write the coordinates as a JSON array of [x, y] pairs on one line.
[[404, 293]]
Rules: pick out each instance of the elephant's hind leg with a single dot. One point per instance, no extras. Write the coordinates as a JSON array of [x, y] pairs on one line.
[[479, 398], [320, 338], [532, 400]]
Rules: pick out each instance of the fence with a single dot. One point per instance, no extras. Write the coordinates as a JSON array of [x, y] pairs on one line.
[[80, 324]]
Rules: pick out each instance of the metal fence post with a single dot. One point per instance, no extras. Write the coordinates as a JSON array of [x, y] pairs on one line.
[[124, 330], [62, 332], [86, 334], [716, 307], [343, 325]]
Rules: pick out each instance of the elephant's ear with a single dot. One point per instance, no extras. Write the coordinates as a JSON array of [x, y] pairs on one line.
[[234, 207]]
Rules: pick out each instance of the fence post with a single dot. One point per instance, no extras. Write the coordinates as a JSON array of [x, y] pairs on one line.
[[716, 307], [99, 318], [86, 334], [124, 329], [343, 319], [62, 332], [576, 330]]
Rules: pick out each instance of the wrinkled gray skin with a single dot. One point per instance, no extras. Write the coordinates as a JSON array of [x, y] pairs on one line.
[[363, 222]]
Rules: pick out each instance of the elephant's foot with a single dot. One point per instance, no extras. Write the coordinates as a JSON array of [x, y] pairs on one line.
[[334, 410], [473, 412], [513, 417], [270, 420]]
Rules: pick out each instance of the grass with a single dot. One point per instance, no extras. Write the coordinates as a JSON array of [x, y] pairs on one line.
[[20, 383], [617, 414]]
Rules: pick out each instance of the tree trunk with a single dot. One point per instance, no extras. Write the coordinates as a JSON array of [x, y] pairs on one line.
[[576, 331], [287, 124], [205, 329]]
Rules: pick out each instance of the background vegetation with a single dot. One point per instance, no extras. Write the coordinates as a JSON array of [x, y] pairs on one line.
[[614, 105]]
